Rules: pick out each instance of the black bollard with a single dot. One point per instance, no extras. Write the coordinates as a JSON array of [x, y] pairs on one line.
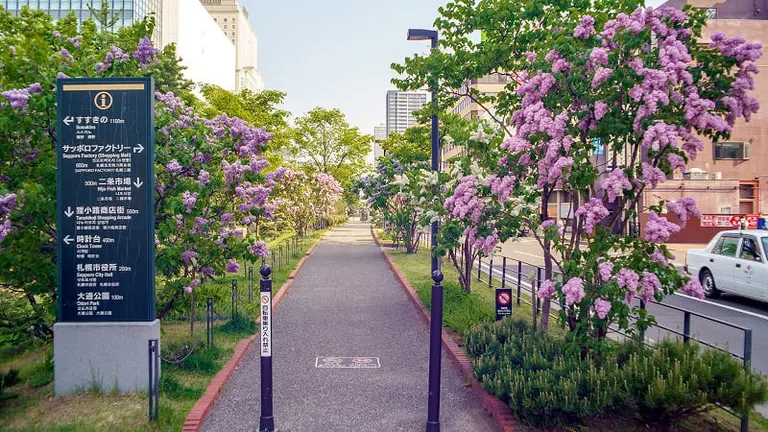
[[267, 419], [435, 353], [250, 284], [234, 298], [209, 322]]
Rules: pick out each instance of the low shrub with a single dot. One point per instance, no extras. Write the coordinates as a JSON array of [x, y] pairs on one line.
[[547, 381], [239, 324]]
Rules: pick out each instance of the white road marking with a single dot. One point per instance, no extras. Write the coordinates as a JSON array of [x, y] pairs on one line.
[[735, 309]]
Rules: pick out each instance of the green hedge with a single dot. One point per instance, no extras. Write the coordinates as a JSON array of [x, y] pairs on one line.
[[546, 382]]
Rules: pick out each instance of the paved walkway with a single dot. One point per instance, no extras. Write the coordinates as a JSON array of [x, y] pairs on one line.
[[346, 302]]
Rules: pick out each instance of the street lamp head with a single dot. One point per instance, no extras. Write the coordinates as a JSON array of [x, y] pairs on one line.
[[422, 34]]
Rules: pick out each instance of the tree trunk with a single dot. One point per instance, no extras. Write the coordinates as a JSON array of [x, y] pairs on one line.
[[547, 302]]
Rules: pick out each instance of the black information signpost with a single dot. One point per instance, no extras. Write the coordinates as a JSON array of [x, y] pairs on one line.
[[106, 199], [503, 303]]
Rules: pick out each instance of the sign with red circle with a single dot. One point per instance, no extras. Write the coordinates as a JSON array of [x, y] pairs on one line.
[[503, 302], [504, 298]]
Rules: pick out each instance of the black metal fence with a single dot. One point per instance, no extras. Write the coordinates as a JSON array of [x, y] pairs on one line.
[[153, 379]]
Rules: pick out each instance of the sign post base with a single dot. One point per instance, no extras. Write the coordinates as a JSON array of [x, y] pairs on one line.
[[106, 356]]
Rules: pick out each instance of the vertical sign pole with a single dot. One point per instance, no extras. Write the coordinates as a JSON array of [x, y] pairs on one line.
[[267, 419]]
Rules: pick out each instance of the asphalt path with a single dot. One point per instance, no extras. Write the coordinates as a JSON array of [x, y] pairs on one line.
[[346, 302]]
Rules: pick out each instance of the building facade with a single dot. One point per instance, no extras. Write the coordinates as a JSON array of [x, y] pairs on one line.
[[729, 177], [234, 22], [129, 11], [379, 135], [466, 107], [400, 108], [208, 54]]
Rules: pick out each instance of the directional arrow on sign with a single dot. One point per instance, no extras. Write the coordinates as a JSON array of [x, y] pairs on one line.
[[69, 212], [137, 183], [68, 120], [68, 240], [138, 149]]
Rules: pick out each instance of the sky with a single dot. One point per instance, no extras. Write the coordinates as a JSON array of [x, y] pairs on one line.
[[337, 53]]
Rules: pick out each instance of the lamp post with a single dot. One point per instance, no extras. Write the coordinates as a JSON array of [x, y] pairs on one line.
[[436, 312]]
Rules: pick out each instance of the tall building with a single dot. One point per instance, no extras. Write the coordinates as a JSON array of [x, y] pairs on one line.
[[400, 108], [467, 108], [234, 22], [729, 177], [379, 135], [130, 10], [207, 54]]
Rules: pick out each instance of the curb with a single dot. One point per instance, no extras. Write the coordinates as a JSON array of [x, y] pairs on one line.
[[501, 413], [196, 417], [379, 241]]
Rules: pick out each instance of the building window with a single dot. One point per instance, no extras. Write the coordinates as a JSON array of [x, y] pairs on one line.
[[225, 26], [233, 34], [225, 20], [731, 150], [233, 26], [711, 13], [215, 20]]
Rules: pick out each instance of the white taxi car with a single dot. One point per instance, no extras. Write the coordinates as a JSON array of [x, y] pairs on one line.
[[734, 261]]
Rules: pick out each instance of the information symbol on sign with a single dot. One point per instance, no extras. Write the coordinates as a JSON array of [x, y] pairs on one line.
[[103, 100]]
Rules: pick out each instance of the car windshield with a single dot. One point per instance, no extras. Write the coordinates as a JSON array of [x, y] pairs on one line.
[[765, 243]]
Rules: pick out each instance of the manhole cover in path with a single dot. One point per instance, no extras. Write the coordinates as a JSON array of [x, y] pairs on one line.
[[323, 362]]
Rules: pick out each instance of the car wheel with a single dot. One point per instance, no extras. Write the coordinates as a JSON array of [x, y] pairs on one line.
[[708, 283]]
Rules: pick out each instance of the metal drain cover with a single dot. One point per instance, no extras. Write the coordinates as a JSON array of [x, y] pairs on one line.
[[324, 362]]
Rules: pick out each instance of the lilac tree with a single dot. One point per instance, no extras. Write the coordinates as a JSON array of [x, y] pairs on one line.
[[209, 172], [639, 89]]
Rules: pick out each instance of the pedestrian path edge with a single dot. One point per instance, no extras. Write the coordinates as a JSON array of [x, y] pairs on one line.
[[196, 417], [501, 413]]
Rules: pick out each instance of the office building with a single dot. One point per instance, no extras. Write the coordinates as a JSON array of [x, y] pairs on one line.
[[130, 11], [400, 108], [207, 53], [234, 22], [379, 135], [468, 108]]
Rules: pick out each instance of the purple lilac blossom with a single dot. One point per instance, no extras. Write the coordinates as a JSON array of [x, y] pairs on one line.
[[573, 290], [649, 286], [233, 266], [684, 208], [145, 52], [189, 199], [67, 56], [188, 290], [19, 98], [601, 75], [204, 178], [602, 307], [659, 229], [615, 184], [173, 167], [546, 290], [605, 268], [188, 256], [585, 29], [260, 249], [594, 212], [693, 288], [653, 175]]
